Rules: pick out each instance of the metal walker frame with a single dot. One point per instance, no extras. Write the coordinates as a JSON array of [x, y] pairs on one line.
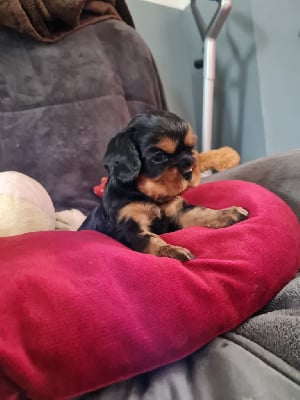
[[209, 34]]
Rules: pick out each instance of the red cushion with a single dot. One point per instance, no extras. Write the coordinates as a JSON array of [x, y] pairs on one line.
[[79, 311]]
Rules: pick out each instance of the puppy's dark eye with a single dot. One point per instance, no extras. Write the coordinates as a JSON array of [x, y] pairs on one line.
[[159, 157]]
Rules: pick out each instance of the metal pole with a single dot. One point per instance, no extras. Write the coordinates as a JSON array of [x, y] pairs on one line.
[[201, 25], [209, 65]]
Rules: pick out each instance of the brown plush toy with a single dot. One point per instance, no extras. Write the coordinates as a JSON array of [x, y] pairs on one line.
[[218, 159]]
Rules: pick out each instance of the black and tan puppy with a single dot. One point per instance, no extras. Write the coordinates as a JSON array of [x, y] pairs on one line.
[[150, 164]]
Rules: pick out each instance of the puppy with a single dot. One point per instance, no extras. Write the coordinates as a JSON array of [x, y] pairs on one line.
[[150, 164]]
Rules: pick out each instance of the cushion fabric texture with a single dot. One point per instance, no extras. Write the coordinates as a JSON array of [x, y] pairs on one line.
[[79, 311]]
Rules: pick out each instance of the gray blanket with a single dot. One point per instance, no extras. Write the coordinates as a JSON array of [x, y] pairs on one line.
[[277, 326], [279, 173], [51, 20], [223, 370]]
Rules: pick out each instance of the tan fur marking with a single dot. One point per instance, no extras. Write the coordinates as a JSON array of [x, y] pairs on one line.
[[169, 184], [167, 144], [200, 216], [154, 243], [195, 217], [196, 172], [158, 247], [141, 213], [164, 187], [190, 138], [173, 207]]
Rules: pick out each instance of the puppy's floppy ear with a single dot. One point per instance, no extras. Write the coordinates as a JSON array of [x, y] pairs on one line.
[[122, 159]]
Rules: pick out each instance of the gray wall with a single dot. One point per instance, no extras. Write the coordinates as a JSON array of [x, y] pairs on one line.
[[277, 38], [162, 29], [257, 93]]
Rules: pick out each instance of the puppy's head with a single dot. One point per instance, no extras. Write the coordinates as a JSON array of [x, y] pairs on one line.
[[156, 153]]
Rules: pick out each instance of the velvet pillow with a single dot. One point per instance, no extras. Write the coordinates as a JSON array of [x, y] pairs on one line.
[[79, 311]]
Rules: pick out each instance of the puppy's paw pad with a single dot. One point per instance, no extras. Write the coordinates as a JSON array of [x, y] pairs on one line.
[[177, 252]]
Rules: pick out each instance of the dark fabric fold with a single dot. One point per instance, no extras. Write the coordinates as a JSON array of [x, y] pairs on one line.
[[51, 20]]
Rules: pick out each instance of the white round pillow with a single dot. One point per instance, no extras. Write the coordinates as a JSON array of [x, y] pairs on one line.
[[25, 205]]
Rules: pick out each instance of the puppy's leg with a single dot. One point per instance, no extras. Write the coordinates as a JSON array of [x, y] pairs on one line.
[[201, 216], [134, 230], [157, 246], [186, 215]]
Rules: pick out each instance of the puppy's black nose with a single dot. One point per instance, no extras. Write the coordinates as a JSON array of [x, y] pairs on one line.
[[185, 166], [188, 174]]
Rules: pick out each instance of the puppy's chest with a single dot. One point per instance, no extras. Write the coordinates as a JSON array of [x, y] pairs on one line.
[[152, 217], [160, 221], [163, 224]]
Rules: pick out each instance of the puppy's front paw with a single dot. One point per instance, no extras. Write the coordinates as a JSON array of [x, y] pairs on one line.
[[180, 253], [232, 215]]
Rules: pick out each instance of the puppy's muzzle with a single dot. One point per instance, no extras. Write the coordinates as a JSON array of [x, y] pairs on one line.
[[186, 165]]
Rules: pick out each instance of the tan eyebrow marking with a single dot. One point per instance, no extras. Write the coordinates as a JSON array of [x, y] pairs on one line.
[[190, 138], [167, 145]]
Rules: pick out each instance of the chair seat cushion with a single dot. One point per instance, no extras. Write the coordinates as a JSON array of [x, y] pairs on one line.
[[79, 311], [60, 105]]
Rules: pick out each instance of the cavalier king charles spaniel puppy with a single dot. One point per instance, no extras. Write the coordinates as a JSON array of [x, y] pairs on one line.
[[150, 164]]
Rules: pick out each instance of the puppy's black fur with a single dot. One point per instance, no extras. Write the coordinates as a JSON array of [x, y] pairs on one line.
[[149, 165]]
